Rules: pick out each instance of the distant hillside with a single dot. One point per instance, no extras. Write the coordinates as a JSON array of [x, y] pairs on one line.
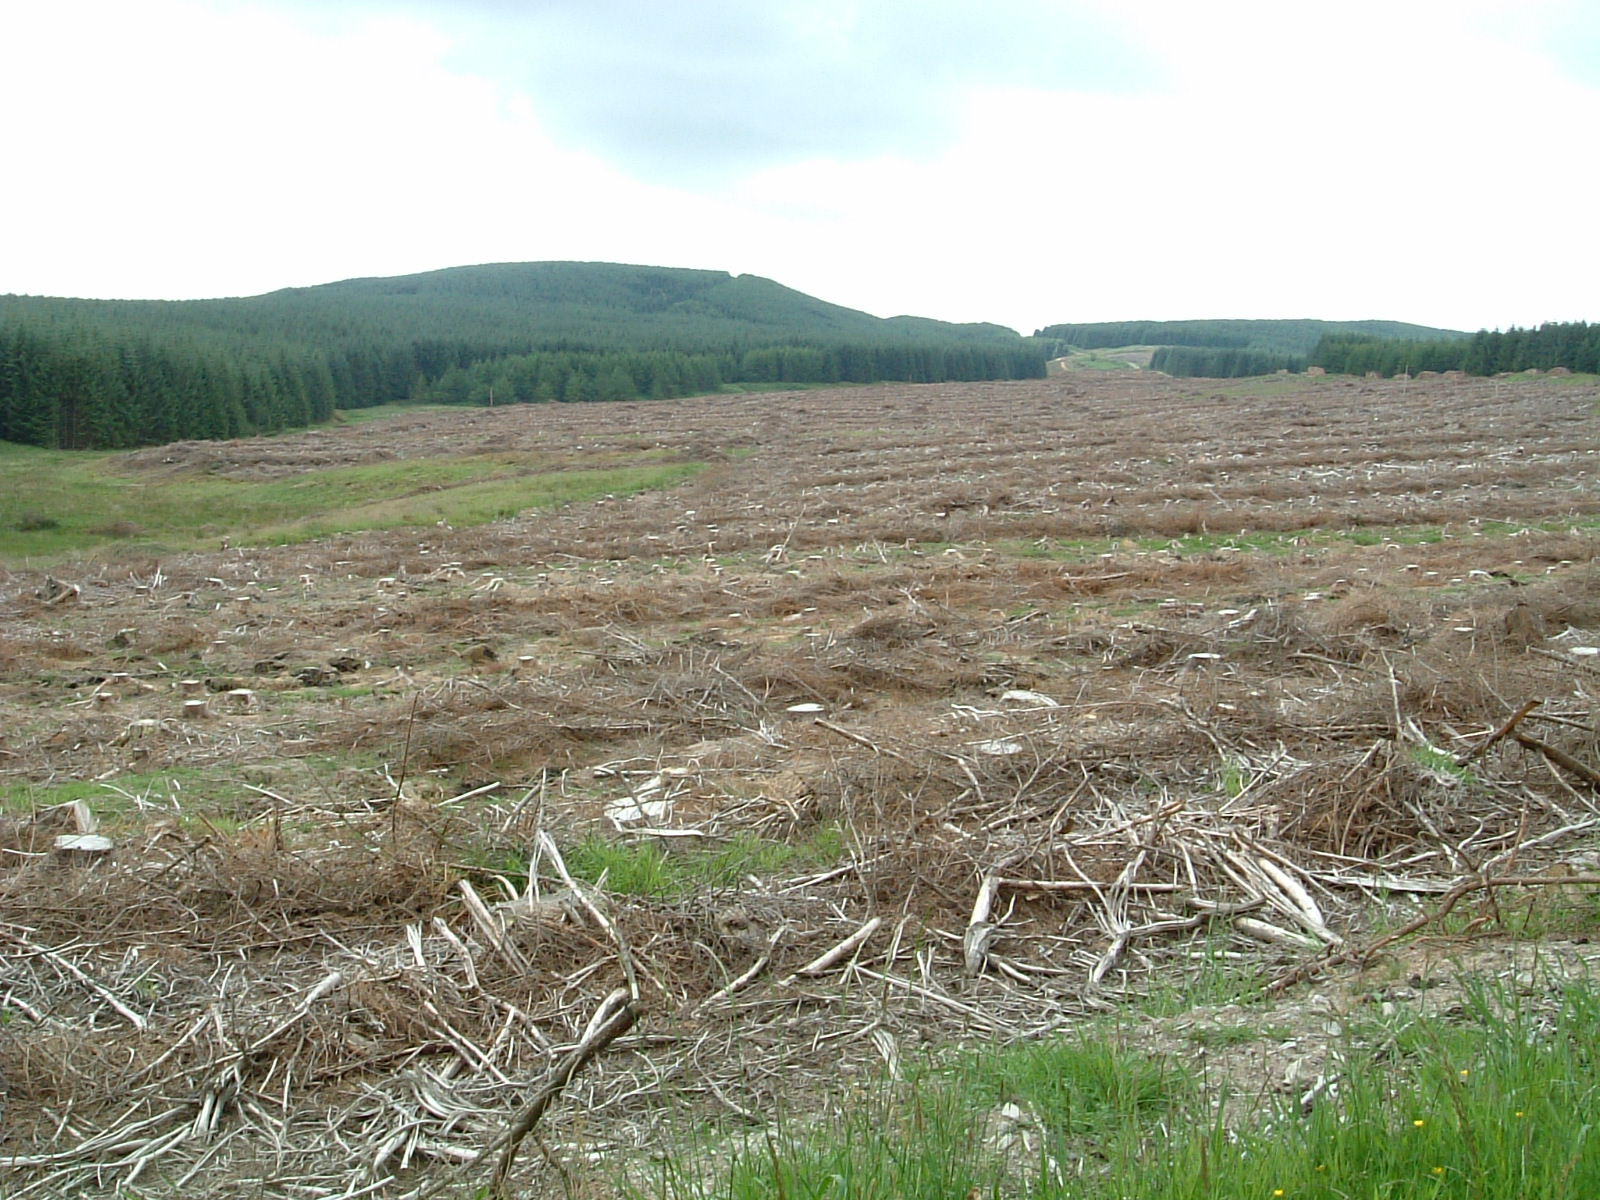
[[78, 373], [604, 304], [1277, 337], [1226, 349]]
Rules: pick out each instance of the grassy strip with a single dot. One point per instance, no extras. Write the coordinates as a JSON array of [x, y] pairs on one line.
[[56, 503], [1497, 1099], [479, 503], [208, 799]]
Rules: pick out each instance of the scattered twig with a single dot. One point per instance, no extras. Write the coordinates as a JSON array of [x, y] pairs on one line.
[[1081, 885], [400, 780], [1449, 900], [624, 954], [72, 968], [861, 740], [728, 989]]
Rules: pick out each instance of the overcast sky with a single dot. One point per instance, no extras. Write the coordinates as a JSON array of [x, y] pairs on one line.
[[1019, 161]]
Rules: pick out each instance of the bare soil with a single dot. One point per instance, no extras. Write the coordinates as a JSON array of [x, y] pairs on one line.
[[1174, 673]]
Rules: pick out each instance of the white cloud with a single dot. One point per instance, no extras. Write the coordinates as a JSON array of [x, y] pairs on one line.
[[1408, 160], [699, 92]]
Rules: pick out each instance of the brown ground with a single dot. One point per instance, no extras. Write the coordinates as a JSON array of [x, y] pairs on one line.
[[1033, 657]]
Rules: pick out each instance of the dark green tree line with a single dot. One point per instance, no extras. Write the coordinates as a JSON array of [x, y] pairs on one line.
[[1574, 345], [1197, 362]]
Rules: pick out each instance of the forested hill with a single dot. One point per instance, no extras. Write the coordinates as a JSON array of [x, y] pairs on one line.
[[1220, 349], [603, 305], [80, 373], [1285, 337]]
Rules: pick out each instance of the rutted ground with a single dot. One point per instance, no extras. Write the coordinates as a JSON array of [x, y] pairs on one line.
[[1070, 686]]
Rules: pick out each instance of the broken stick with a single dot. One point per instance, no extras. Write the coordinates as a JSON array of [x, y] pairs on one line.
[[837, 953], [980, 933], [611, 1020]]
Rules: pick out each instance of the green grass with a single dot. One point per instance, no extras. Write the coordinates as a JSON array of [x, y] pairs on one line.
[[1551, 912], [1214, 979], [1443, 763], [1278, 543], [645, 869], [1076, 1086], [479, 502], [1233, 777], [1123, 358], [1497, 1099], [177, 790], [55, 503], [1576, 379], [216, 796], [1216, 1036]]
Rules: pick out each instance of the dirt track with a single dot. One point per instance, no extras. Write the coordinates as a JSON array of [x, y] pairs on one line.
[[1030, 652]]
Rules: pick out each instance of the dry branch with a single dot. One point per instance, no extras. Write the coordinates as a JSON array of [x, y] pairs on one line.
[[1560, 757], [615, 1016], [862, 740], [837, 953], [1510, 724], [980, 932]]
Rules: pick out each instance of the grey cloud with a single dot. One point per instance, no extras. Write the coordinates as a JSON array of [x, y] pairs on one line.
[[692, 91]]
